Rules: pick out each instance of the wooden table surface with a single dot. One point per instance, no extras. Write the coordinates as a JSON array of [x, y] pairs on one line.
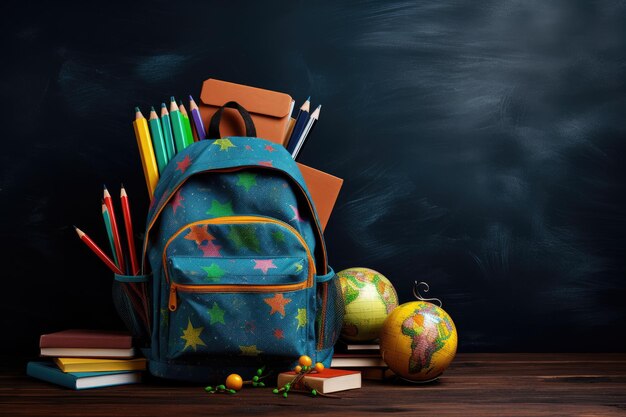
[[474, 385]]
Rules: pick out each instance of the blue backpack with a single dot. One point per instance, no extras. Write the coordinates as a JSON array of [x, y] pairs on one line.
[[238, 266]]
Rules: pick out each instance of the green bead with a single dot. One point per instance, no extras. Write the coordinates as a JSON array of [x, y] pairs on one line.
[[287, 385], [259, 372], [232, 391], [209, 388], [314, 392], [221, 387], [261, 384], [255, 378], [285, 394]]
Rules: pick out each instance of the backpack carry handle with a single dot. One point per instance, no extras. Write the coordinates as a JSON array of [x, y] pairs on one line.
[[214, 126]]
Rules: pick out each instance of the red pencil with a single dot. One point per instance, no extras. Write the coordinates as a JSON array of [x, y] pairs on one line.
[[116, 236], [92, 245], [134, 266]]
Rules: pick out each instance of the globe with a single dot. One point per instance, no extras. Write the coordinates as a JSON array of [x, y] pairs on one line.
[[368, 298], [418, 341]]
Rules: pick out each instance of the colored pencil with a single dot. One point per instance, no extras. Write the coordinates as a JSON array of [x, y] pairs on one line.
[[158, 141], [107, 225], [146, 152], [301, 120], [178, 127], [128, 224], [307, 131], [116, 236], [197, 119], [167, 132], [95, 249], [186, 124]]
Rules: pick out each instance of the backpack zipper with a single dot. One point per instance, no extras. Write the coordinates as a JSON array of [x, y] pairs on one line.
[[174, 287]]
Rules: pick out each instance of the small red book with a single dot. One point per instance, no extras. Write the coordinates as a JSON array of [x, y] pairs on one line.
[[84, 338], [327, 381]]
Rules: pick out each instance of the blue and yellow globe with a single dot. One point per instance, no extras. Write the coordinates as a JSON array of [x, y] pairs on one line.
[[418, 341], [368, 297]]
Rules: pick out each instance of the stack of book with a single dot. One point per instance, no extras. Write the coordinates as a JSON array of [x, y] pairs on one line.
[[81, 359], [363, 357]]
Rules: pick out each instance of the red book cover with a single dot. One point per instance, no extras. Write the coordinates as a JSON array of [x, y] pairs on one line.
[[84, 338], [327, 381]]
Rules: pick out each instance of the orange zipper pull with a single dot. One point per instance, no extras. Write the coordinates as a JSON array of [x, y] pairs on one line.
[[173, 303]]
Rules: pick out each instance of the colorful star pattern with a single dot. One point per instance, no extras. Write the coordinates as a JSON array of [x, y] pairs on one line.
[[217, 314], [266, 163], [178, 199], [299, 268], [247, 180], [250, 350], [191, 336], [301, 317], [213, 272], [184, 164], [278, 236], [279, 334], [210, 250], [269, 148], [264, 264], [296, 214], [220, 210], [224, 144], [245, 237], [199, 233], [277, 302]]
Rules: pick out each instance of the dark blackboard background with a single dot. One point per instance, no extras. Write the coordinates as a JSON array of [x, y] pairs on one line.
[[482, 146]]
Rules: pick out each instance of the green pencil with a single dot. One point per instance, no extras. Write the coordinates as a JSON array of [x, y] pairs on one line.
[[178, 126], [158, 142], [107, 225], [167, 132], [186, 123]]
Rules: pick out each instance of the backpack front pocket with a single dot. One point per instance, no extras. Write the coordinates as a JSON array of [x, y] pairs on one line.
[[255, 304]]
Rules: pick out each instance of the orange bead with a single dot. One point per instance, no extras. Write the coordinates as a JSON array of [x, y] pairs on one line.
[[305, 360], [234, 381], [297, 369], [319, 367]]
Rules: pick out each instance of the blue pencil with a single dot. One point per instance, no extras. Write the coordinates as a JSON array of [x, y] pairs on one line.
[[301, 121]]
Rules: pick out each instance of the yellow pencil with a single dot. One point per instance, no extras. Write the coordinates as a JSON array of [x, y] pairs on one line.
[[146, 151]]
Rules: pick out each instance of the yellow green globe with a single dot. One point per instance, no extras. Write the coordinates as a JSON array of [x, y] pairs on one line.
[[368, 297], [418, 341]]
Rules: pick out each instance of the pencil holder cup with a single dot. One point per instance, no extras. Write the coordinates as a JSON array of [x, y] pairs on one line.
[[131, 301]]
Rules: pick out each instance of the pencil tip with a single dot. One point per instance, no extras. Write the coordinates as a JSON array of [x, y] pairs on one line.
[[104, 186], [172, 99], [152, 108], [163, 105], [308, 98], [122, 185], [190, 98], [137, 110]]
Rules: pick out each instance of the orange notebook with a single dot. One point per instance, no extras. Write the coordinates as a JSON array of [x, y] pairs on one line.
[[324, 189], [270, 110]]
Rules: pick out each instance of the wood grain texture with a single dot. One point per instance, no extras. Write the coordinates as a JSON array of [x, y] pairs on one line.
[[543, 385]]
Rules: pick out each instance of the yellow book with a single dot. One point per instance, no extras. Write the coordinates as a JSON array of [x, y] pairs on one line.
[[95, 365]]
